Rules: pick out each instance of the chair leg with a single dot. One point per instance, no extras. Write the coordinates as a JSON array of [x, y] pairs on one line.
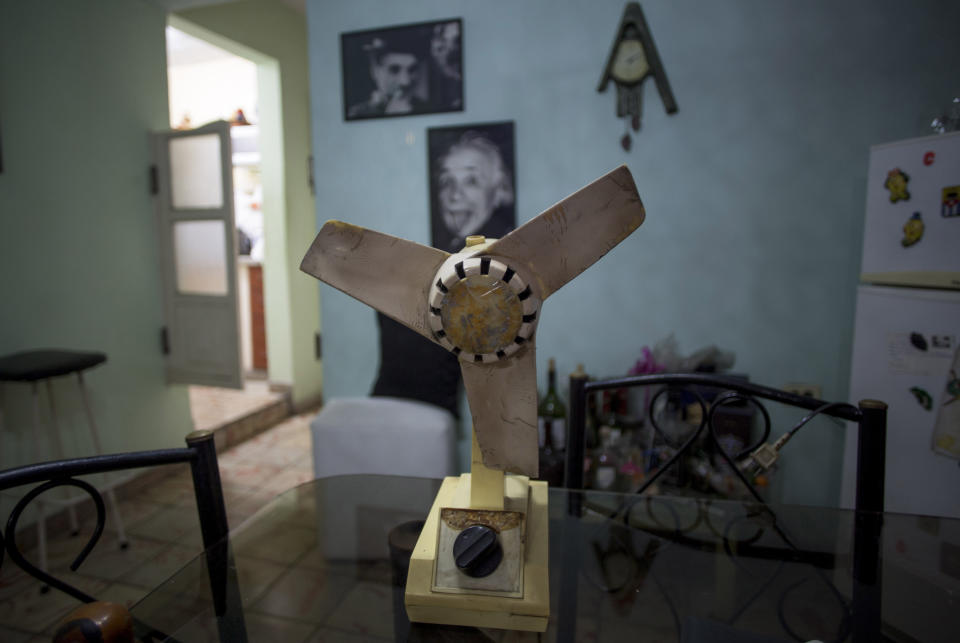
[[41, 513], [111, 497], [54, 430]]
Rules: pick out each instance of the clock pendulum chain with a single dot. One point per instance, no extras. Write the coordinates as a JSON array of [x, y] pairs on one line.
[[626, 142], [629, 105]]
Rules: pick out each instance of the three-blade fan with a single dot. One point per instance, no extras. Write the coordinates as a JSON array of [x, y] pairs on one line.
[[484, 303]]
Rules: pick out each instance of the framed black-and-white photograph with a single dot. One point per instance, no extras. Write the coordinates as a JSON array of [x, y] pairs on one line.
[[403, 70], [472, 183]]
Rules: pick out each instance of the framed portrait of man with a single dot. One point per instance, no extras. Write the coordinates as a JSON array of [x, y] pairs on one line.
[[472, 183], [403, 70]]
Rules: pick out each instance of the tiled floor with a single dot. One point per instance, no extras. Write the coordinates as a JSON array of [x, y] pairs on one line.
[[162, 527], [212, 407]]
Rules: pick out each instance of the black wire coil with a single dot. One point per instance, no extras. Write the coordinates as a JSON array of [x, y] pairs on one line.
[[730, 392]]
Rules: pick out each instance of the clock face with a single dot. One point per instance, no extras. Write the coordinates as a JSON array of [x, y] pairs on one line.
[[630, 62]]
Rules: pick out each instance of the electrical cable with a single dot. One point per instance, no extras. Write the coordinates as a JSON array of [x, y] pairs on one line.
[[817, 411], [757, 594], [624, 513], [842, 634], [649, 500], [845, 621], [670, 605]]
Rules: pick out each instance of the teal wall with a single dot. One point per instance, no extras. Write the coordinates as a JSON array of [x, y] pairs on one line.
[[754, 191], [81, 86]]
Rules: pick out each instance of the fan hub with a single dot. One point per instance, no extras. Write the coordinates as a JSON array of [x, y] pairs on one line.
[[481, 309], [481, 314]]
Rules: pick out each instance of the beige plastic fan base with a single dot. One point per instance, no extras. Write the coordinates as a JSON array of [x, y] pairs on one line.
[[475, 495]]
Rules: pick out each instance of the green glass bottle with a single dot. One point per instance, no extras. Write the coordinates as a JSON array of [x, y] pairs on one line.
[[552, 420]]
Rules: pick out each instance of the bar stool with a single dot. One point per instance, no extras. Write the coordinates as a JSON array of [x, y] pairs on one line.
[[33, 367]]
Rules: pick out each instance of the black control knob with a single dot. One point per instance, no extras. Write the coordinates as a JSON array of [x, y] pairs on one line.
[[477, 551]]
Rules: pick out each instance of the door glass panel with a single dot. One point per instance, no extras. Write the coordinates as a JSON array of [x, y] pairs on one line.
[[196, 179], [200, 257]]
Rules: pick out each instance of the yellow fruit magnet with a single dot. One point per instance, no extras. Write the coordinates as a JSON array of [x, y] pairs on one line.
[[912, 230], [923, 398], [897, 184]]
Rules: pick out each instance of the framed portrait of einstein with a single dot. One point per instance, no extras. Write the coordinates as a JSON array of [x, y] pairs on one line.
[[472, 183], [403, 70]]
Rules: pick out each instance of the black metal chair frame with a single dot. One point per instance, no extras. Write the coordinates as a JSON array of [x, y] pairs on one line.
[[870, 416], [201, 454]]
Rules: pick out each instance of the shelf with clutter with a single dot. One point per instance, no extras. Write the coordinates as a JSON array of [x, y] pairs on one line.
[[631, 433]]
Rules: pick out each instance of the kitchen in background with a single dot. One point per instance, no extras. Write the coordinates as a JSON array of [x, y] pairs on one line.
[[207, 83]]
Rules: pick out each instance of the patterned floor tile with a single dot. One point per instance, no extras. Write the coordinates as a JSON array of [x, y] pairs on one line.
[[211, 407], [173, 525], [136, 509], [244, 507], [247, 475], [31, 611], [200, 630], [302, 594], [279, 543], [109, 562], [286, 480], [13, 636], [256, 577], [13, 580], [273, 628], [123, 594], [314, 559], [353, 613], [170, 490], [161, 566], [331, 635]]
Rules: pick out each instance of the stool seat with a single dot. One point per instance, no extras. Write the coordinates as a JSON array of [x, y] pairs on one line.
[[44, 364], [34, 365], [383, 435]]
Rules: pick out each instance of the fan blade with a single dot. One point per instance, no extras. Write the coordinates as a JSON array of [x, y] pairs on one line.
[[571, 236], [390, 274], [503, 404]]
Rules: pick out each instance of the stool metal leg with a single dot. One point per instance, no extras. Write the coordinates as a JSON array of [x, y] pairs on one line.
[[54, 430], [41, 513], [111, 497]]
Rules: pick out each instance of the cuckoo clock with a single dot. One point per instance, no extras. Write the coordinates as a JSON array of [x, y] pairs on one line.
[[633, 58]]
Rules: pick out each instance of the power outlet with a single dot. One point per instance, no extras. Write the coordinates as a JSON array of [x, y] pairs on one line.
[[803, 388]]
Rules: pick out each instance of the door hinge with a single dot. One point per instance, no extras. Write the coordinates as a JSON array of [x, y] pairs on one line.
[[317, 346], [154, 180], [310, 181], [164, 341]]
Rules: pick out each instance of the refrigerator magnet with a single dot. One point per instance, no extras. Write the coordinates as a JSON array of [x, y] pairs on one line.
[[918, 341], [923, 398], [953, 388], [912, 230], [946, 429], [897, 184], [929, 158], [950, 203]]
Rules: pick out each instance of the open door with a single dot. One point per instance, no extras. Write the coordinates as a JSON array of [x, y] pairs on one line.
[[194, 197]]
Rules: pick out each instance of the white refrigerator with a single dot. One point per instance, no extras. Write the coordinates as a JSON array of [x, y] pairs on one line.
[[906, 353], [907, 327]]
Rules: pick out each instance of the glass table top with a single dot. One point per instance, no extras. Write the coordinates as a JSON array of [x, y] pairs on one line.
[[315, 565]]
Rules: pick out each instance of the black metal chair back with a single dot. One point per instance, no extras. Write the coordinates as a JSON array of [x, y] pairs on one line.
[[201, 454], [870, 416]]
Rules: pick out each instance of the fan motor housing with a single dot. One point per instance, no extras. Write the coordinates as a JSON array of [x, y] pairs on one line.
[[481, 308]]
